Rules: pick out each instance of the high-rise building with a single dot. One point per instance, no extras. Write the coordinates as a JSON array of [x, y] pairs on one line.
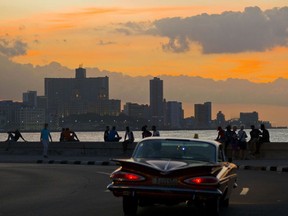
[[249, 118], [156, 101], [30, 98], [79, 95], [203, 115], [174, 115]]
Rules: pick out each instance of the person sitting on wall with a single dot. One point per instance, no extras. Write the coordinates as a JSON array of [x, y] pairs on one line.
[[69, 135], [128, 138], [106, 134], [73, 136], [14, 136], [113, 135]]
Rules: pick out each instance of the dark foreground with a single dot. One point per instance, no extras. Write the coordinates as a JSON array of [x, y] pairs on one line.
[[73, 190]]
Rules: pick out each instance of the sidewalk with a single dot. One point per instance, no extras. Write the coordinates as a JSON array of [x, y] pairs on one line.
[[264, 165]]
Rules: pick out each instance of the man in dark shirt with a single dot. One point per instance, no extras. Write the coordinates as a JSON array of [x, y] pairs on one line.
[[254, 139], [14, 136], [264, 137]]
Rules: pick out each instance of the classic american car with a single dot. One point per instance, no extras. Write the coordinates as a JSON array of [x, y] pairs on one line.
[[173, 171]]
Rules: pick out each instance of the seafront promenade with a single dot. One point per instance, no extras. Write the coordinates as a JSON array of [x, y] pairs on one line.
[[273, 157]]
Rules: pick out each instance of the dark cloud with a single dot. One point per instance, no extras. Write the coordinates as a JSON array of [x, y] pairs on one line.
[[229, 32], [11, 48]]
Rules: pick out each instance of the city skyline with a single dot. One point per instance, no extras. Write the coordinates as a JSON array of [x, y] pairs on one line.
[[84, 103], [227, 42]]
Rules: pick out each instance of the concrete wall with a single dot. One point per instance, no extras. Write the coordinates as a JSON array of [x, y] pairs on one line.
[[111, 149], [107, 149]]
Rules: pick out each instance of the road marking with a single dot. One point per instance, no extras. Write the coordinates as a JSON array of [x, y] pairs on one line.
[[244, 191], [104, 173]]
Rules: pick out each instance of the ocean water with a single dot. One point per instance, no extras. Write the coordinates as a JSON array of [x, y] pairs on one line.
[[276, 135]]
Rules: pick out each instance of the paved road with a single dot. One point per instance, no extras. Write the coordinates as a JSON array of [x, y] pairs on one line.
[[55, 189]]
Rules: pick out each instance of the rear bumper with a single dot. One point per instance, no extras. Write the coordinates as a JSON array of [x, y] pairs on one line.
[[120, 190]]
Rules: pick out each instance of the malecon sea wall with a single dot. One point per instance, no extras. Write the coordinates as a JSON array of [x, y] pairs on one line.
[[111, 149]]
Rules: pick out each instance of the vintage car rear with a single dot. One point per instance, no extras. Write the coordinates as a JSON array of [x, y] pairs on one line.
[[171, 171]]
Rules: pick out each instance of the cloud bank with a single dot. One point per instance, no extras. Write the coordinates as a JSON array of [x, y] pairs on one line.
[[229, 32], [12, 47]]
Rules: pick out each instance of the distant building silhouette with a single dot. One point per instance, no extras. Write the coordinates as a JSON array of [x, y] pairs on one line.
[[30, 98], [203, 115], [80, 95], [174, 115], [220, 119], [156, 101], [136, 111]]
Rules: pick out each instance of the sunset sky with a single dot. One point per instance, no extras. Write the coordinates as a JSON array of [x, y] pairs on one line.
[[211, 39], [221, 39]]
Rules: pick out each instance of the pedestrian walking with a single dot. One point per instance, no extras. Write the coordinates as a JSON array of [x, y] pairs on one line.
[[44, 138]]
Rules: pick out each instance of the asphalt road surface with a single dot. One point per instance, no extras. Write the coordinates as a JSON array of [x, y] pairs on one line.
[[79, 190]]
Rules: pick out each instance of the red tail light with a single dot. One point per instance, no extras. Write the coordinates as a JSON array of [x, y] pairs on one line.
[[125, 176], [202, 180]]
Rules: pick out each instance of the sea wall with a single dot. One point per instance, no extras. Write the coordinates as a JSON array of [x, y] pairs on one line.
[[111, 149]]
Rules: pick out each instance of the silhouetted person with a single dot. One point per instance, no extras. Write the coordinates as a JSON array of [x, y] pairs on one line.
[[44, 138], [221, 135], [73, 136], [113, 135], [128, 138], [264, 137], [14, 136], [254, 139], [106, 134], [228, 138], [146, 132], [155, 132], [62, 138]]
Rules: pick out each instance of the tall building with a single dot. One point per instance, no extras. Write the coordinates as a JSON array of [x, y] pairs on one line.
[[220, 119], [174, 115], [248, 119], [80, 95], [203, 115], [30, 98], [156, 101]]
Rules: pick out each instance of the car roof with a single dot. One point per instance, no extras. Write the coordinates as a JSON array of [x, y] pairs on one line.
[[212, 142]]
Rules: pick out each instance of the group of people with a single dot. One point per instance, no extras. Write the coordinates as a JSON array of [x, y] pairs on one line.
[[68, 135], [237, 140], [111, 135]]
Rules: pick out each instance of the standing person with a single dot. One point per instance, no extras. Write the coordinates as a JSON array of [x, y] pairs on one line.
[[228, 139], [234, 143], [44, 138], [113, 135], [221, 135], [155, 132], [242, 143], [145, 132], [254, 139], [264, 136], [128, 138], [106, 133]]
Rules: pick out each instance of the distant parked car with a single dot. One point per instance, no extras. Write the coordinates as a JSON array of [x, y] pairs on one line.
[[171, 171]]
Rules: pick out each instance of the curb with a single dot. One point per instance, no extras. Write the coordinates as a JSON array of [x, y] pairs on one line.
[[264, 168], [76, 162]]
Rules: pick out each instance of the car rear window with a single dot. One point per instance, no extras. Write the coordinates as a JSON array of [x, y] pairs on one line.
[[176, 149]]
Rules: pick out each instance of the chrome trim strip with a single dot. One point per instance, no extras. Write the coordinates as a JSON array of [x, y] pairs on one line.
[[112, 187]]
